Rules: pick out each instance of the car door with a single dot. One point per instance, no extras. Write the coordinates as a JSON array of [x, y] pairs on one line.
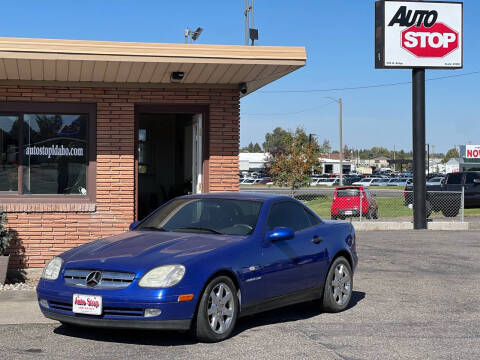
[[472, 190], [295, 264]]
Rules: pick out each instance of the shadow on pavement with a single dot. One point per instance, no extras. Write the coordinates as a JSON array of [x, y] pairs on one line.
[[296, 312]]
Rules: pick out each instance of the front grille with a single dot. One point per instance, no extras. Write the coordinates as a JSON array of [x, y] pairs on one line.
[[107, 311], [109, 279]]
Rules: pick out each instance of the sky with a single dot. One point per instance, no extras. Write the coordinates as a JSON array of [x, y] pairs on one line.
[[339, 40]]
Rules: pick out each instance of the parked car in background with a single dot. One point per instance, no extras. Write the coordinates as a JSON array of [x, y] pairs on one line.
[[349, 201], [392, 181], [349, 180], [365, 182], [251, 181], [446, 197], [199, 263], [325, 182], [438, 180], [379, 182]]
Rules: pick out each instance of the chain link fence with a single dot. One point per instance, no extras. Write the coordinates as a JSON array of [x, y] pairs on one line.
[[375, 204]]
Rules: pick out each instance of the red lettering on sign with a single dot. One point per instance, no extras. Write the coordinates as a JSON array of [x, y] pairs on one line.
[[436, 41], [93, 303], [79, 301]]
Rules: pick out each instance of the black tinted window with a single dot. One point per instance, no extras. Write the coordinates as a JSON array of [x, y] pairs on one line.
[[313, 219], [288, 214], [470, 177], [232, 217], [454, 179], [348, 192]]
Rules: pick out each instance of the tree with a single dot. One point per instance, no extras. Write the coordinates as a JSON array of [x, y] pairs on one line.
[[276, 141], [251, 148], [325, 148], [451, 154], [292, 166]]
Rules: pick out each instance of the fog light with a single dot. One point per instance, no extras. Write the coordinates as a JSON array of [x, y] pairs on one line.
[[152, 312], [44, 303]]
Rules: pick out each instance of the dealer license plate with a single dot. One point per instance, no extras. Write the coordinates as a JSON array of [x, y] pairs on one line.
[[348, 212], [87, 304]]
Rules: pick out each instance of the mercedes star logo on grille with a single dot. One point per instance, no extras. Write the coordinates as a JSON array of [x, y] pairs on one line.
[[94, 278]]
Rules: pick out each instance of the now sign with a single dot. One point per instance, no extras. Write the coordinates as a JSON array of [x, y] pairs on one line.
[[472, 151], [410, 34]]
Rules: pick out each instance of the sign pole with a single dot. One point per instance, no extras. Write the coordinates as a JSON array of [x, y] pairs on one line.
[[418, 131]]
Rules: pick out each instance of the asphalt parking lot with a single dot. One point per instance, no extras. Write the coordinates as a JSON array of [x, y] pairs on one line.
[[416, 297]]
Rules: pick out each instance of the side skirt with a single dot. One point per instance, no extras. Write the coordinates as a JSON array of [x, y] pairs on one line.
[[281, 301]]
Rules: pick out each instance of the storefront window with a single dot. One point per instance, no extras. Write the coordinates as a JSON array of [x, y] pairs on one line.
[[9, 133], [55, 154], [47, 149]]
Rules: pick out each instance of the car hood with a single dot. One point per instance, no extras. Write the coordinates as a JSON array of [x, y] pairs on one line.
[[140, 250]]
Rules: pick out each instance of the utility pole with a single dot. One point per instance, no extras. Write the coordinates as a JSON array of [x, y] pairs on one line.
[[339, 102], [341, 141], [250, 32]]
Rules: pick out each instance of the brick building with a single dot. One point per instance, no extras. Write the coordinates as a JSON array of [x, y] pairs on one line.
[[94, 135]]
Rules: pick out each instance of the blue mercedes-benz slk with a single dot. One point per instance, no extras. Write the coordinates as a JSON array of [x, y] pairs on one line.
[[201, 261]]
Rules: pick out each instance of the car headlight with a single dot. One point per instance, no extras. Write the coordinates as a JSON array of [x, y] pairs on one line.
[[163, 276], [52, 269]]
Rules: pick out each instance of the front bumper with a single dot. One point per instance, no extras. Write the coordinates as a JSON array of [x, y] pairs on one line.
[[183, 324], [121, 308]]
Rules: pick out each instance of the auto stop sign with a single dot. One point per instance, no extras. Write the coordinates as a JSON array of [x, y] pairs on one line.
[[411, 34]]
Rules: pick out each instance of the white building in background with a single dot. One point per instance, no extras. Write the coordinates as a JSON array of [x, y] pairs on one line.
[[453, 165], [252, 162], [435, 166], [255, 162], [332, 166]]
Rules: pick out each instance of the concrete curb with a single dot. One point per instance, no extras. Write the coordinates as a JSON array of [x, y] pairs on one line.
[[406, 225]]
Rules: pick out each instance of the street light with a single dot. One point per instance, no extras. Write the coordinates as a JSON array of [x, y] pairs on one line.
[[193, 35], [339, 102]]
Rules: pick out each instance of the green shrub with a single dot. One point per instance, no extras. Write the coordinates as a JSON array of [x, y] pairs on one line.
[[5, 235]]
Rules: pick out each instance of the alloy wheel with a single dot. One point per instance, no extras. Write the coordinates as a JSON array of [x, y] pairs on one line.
[[341, 284], [220, 308]]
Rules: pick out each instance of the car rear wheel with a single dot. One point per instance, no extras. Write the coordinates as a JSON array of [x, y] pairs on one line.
[[338, 287], [217, 311]]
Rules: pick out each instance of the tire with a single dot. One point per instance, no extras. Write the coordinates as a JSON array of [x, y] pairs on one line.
[[220, 294], [368, 215], [335, 281], [334, 217], [375, 214], [450, 212]]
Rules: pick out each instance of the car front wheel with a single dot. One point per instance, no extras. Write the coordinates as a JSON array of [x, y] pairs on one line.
[[217, 311], [338, 287]]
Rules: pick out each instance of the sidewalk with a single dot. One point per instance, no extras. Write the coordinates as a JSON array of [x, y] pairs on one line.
[[20, 307]]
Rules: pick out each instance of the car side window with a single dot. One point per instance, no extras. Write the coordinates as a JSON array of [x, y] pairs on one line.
[[287, 214], [469, 177], [313, 219], [454, 179]]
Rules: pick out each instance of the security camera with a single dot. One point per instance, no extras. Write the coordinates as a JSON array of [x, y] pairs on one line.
[[243, 88], [177, 75]]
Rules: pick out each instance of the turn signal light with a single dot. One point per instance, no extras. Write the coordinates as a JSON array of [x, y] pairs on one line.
[[185, 297]]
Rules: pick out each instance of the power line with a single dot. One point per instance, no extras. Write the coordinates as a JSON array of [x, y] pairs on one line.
[[366, 86]]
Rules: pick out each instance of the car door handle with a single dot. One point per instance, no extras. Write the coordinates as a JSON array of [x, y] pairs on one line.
[[317, 239]]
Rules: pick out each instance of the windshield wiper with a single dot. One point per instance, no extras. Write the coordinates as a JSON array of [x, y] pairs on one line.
[[152, 228], [200, 229]]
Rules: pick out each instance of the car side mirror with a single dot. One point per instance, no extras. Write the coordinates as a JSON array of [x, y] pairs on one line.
[[133, 225], [281, 233]]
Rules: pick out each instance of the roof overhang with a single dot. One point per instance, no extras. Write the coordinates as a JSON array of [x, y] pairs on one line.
[[81, 61]]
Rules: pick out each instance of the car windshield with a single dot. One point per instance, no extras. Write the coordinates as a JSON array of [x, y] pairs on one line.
[[348, 192], [205, 215]]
